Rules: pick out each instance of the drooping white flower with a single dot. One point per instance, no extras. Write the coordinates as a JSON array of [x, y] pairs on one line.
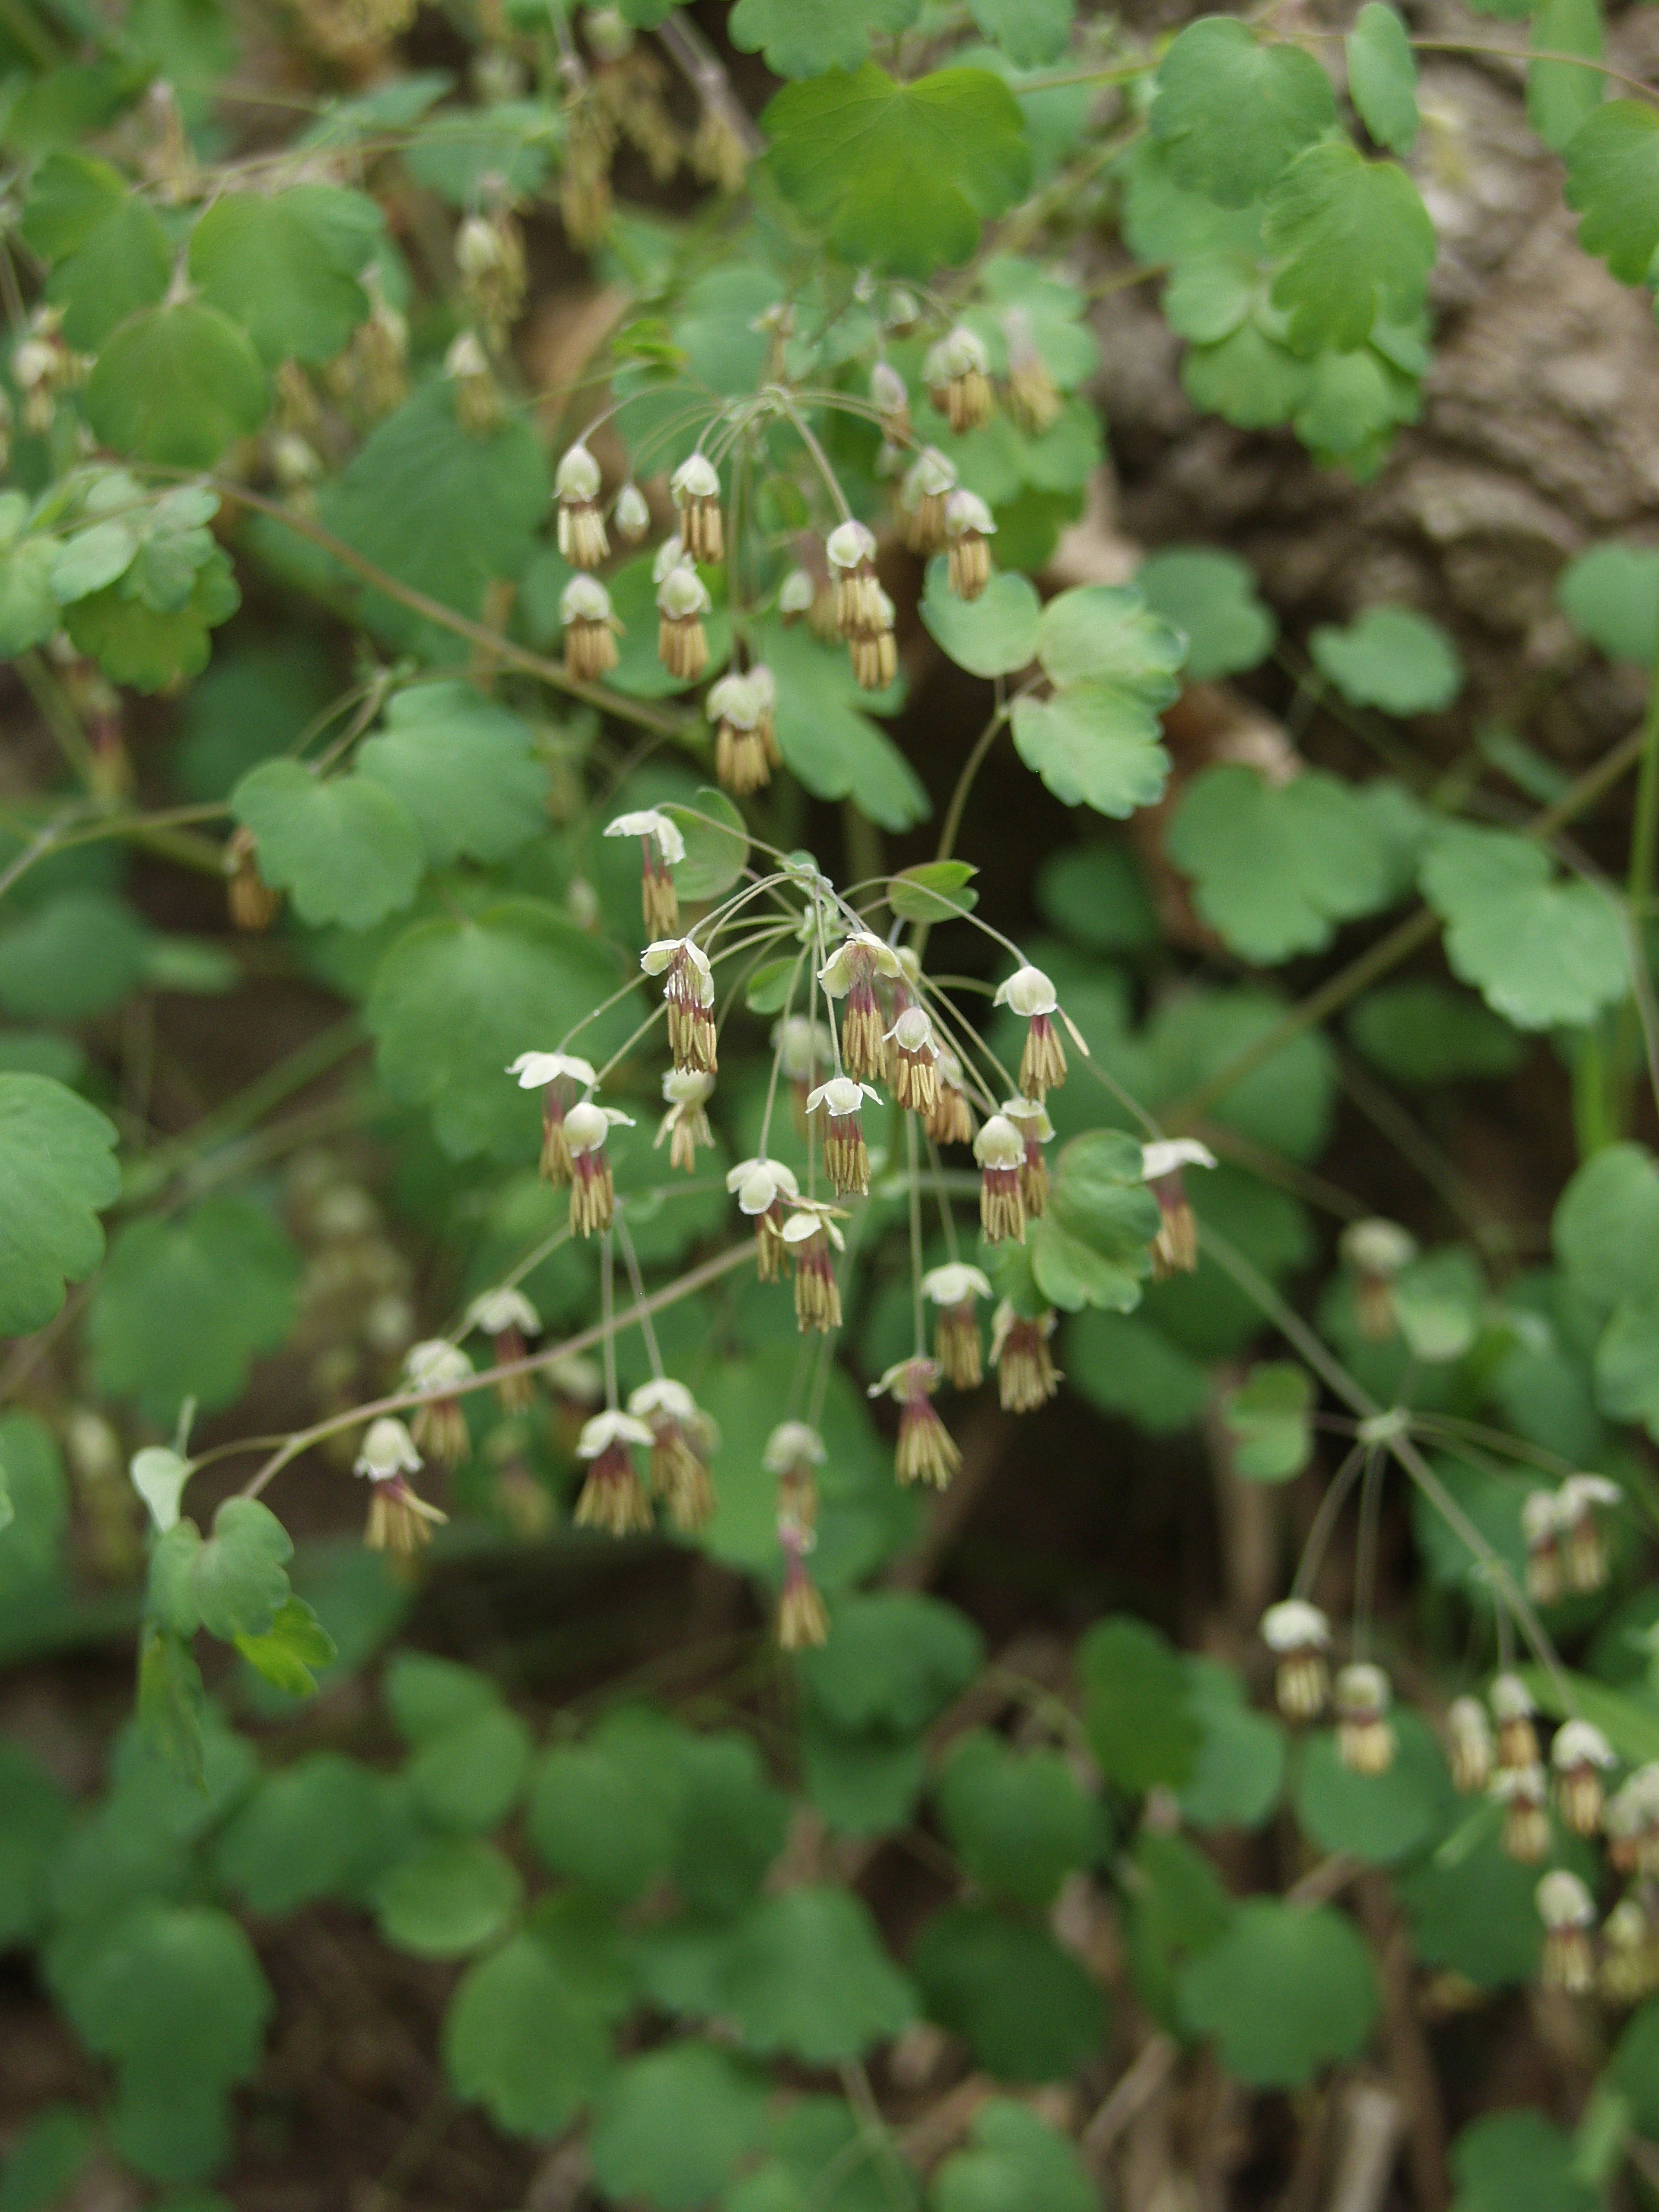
[[1029, 992], [533, 1069], [1169, 1153], [651, 822], [606, 1429], [386, 1451], [955, 1283]]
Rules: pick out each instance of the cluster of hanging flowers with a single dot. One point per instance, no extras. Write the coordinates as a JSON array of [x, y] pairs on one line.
[[1542, 1798]]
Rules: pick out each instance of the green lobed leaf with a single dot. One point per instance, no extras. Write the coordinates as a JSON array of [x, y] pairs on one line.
[[286, 1654], [189, 1965], [1137, 1706], [315, 1829], [448, 1897], [805, 38], [1421, 1032], [1277, 866], [933, 891], [1270, 1417], [1606, 1226], [716, 845], [1027, 2010], [1383, 77], [77, 955], [146, 645], [806, 1974], [237, 1579], [895, 1659], [120, 266], [1323, 1985], [1541, 952], [346, 847], [605, 1813], [833, 749], [1359, 247], [1561, 96], [453, 1002], [56, 1173], [1014, 2161], [1124, 1365], [267, 262], [1096, 895], [177, 384], [523, 2040], [1017, 1820], [671, 2128], [992, 635], [37, 1492], [468, 1777], [899, 176], [45, 2159], [1613, 182], [428, 1697], [1635, 2067], [1239, 1772], [1211, 599], [1379, 1818], [1612, 594], [185, 1302], [1471, 1908], [1518, 2161], [1232, 112], [464, 769], [1031, 32], [172, 1704], [441, 509]]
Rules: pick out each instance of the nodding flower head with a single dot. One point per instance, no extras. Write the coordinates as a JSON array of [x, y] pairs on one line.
[[761, 1187], [1034, 399], [954, 1290], [797, 595], [508, 1318], [681, 1439], [808, 1235], [439, 1427], [951, 1120], [388, 1450], [957, 382], [1580, 1755], [1026, 1374], [1299, 1635], [1584, 1548], [633, 513], [1031, 994], [926, 1452], [558, 1076], [592, 1186], [662, 847], [689, 992], [1000, 1151], [1472, 1749], [1364, 1734], [582, 539], [1030, 1117], [793, 1444], [398, 1521], [746, 732], [928, 482], [1175, 1249], [845, 1156], [851, 973], [613, 1497], [1374, 1252], [1568, 1912], [696, 486], [912, 1059], [968, 526], [850, 550], [590, 625], [1540, 1526], [684, 1127], [682, 641], [891, 400], [1514, 1710]]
